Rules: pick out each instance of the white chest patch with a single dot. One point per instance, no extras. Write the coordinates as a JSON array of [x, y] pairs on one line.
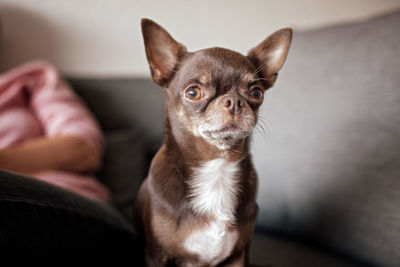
[[214, 189]]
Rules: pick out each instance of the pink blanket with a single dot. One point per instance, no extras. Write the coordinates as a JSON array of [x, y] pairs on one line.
[[34, 102]]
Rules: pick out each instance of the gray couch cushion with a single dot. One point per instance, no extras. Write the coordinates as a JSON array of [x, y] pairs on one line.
[[276, 251], [329, 163], [124, 166]]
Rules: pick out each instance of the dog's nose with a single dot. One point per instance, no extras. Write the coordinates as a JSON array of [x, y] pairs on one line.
[[233, 104]]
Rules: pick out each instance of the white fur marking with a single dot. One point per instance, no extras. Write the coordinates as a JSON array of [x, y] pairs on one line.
[[214, 189]]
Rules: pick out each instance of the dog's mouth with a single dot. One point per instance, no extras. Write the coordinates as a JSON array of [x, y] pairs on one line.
[[226, 136], [230, 129], [226, 131]]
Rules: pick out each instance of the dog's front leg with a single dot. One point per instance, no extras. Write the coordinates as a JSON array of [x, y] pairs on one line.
[[155, 257], [238, 261]]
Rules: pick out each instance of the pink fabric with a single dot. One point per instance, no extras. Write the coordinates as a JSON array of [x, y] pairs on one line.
[[34, 102]]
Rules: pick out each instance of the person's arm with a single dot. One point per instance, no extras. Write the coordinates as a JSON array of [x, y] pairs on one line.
[[66, 153], [72, 139]]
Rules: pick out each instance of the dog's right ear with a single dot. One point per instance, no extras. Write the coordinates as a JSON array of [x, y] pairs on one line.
[[162, 51]]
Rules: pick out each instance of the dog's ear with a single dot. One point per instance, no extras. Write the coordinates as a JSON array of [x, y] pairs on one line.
[[270, 54], [162, 51]]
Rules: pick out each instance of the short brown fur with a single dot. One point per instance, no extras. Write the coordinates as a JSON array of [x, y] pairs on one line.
[[162, 209]]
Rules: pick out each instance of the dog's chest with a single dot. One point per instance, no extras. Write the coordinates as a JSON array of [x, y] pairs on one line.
[[213, 191], [212, 244]]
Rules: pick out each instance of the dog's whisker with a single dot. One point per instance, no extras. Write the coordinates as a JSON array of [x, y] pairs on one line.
[[259, 68], [266, 130], [260, 132], [261, 79], [264, 125], [261, 120]]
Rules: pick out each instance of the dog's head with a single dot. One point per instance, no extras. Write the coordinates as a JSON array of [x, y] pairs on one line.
[[214, 93]]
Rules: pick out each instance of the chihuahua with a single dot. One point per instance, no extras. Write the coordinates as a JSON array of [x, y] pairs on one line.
[[197, 206]]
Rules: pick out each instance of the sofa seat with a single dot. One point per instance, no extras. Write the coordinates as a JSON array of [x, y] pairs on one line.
[[273, 250]]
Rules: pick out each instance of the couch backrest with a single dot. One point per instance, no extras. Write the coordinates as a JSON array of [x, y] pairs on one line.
[[130, 112], [329, 163], [124, 103]]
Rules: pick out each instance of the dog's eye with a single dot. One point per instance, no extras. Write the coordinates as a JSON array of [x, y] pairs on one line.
[[256, 93], [193, 93]]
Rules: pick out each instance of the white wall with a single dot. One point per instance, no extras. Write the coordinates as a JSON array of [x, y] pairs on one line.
[[102, 37]]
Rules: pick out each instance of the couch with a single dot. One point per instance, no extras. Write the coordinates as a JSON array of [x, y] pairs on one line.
[[327, 154]]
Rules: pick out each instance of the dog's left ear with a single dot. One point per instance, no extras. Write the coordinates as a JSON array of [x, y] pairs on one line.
[[162, 51], [270, 54]]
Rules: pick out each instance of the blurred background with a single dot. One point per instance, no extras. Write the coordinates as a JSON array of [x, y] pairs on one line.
[[102, 37], [327, 149]]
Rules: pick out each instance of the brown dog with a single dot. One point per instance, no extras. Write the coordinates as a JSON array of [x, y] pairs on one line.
[[197, 206]]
